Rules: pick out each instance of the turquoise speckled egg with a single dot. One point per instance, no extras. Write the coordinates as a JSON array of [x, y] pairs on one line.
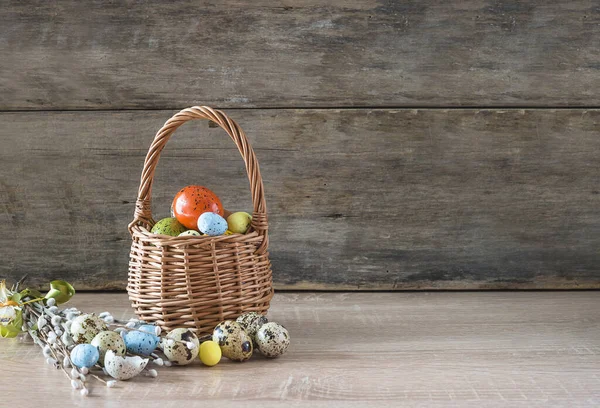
[[84, 355], [212, 224], [142, 341]]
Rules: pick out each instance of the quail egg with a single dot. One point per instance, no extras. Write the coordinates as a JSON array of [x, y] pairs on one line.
[[142, 341], [84, 355], [109, 340], [235, 343], [177, 351], [85, 327], [123, 368], [272, 339], [251, 322]]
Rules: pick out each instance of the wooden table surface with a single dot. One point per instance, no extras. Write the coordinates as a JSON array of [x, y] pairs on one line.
[[513, 349]]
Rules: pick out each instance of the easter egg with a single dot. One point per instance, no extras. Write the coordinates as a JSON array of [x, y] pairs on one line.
[[239, 222], [109, 340], [168, 226], [142, 341], [123, 368], [85, 327], [210, 353], [272, 339], [251, 322], [190, 233], [233, 340], [212, 224], [84, 355], [192, 201], [177, 351]]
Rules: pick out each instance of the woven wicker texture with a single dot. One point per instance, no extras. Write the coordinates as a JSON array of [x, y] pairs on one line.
[[198, 281]]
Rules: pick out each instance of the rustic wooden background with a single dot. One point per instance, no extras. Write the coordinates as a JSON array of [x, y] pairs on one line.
[[404, 144]]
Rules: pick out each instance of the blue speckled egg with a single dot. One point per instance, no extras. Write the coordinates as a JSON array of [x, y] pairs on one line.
[[84, 355], [212, 224], [142, 341]]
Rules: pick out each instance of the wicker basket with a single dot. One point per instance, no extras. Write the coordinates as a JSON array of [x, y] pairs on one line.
[[198, 281]]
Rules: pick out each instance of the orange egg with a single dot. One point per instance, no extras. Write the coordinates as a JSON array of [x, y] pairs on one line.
[[193, 201]]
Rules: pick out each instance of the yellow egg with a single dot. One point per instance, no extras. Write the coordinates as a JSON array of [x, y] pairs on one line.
[[210, 353], [239, 222]]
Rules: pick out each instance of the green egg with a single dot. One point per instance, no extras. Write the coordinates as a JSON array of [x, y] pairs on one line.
[[168, 226]]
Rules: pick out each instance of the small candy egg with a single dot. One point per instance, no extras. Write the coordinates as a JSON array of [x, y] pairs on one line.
[[235, 343], [251, 322], [272, 339], [168, 226], [212, 224], [109, 340], [123, 368], [85, 327], [188, 233], [142, 341], [210, 353], [239, 222], [177, 351], [84, 355]]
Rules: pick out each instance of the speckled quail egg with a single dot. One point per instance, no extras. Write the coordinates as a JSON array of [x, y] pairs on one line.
[[251, 322], [272, 339], [85, 327], [177, 351], [190, 233], [109, 340], [142, 341], [84, 355], [123, 368], [235, 343]]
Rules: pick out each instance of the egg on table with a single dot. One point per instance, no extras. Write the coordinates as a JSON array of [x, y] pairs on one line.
[[177, 350], [84, 355], [142, 341], [239, 222], [212, 224], [168, 226], [251, 322], [123, 368], [235, 343], [272, 339], [109, 340], [85, 327], [210, 353]]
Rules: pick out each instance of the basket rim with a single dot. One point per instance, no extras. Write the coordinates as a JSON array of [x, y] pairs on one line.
[[141, 232]]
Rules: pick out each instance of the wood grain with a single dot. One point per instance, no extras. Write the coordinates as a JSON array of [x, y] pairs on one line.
[[362, 349], [68, 54], [357, 198]]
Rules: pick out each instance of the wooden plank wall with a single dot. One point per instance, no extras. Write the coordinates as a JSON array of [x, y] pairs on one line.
[[404, 144]]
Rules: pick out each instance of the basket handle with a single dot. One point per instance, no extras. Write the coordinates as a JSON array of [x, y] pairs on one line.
[[143, 210]]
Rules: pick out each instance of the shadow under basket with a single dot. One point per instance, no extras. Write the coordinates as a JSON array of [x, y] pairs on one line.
[[198, 281]]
